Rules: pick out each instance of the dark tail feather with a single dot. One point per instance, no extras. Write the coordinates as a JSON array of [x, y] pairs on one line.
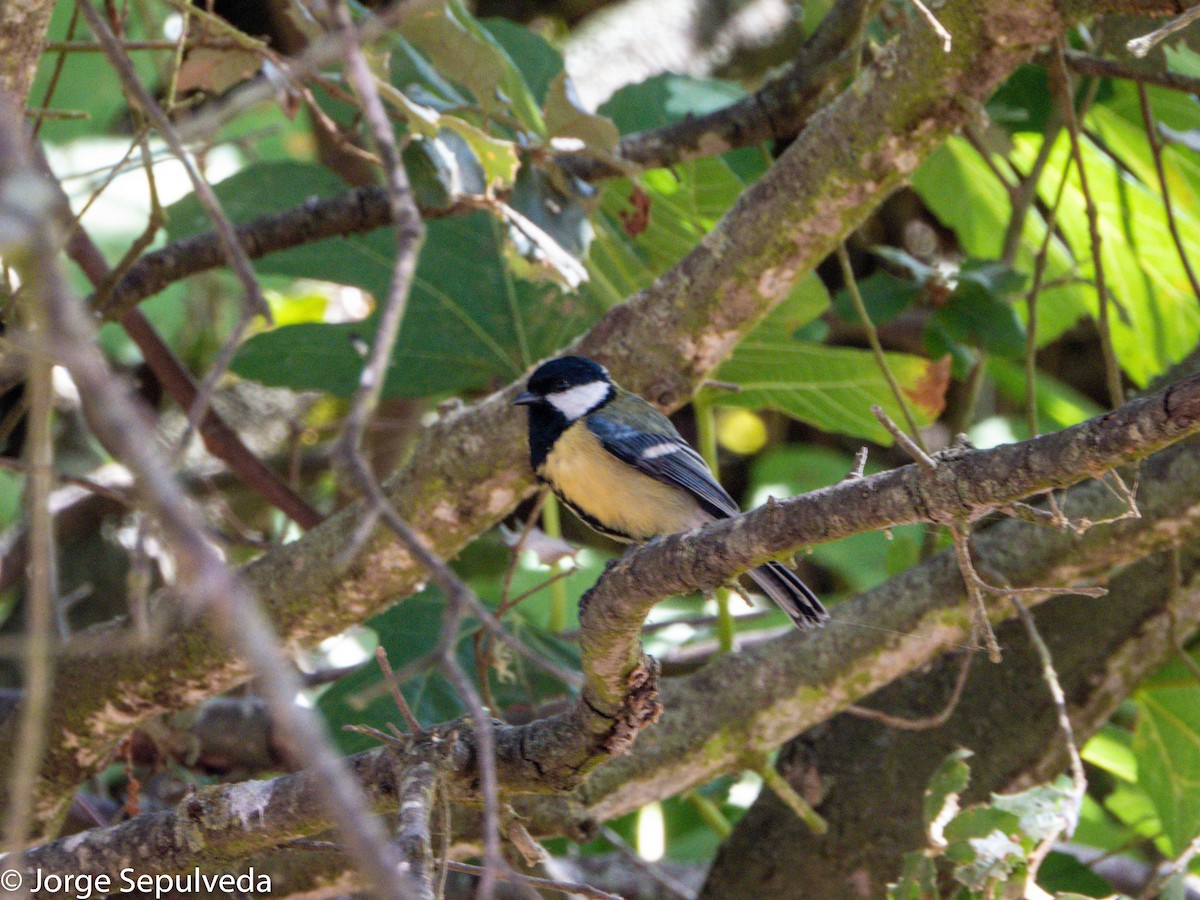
[[790, 594]]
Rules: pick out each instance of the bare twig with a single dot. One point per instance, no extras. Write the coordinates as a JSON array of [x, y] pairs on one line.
[[788, 795], [205, 582], [975, 586], [1069, 818], [1140, 46], [935, 721], [938, 28], [409, 232], [876, 346], [489, 783], [234, 254], [1112, 369], [41, 579], [1153, 138], [1097, 67], [564, 887], [389, 677], [1031, 300], [860, 464], [919, 455]]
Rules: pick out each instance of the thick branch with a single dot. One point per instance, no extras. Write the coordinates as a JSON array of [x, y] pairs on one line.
[[744, 703], [877, 775]]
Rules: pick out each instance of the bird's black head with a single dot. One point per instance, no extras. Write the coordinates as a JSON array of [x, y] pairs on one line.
[[570, 387], [558, 393]]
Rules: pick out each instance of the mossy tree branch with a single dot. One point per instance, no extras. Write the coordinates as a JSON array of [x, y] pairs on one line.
[[746, 702]]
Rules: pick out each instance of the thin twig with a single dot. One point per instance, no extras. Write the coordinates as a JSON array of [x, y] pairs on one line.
[[655, 873], [876, 347], [1060, 702], [564, 887], [1098, 67], [960, 533], [38, 680], [918, 453], [205, 581], [1152, 137], [410, 232], [443, 828], [414, 725], [860, 464], [1112, 369], [1031, 301], [938, 28], [1140, 46], [935, 721], [788, 795], [234, 254], [489, 782]]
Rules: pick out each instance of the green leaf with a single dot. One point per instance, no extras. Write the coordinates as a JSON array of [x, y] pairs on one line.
[[832, 388], [87, 82], [665, 99], [965, 195], [551, 229], [466, 52], [1058, 404], [531, 53], [1044, 810], [469, 161], [1167, 744], [918, 879], [884, 295], [978, 314], [1182, 59], [940, 803], [1023, 101], [1068, 877], [1111, 749], [1154, 318], [684, 204], [566, 118], [469, 322]]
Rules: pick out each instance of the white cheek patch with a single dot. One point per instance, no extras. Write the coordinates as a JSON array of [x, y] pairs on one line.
[[660, 450], [580, 400]]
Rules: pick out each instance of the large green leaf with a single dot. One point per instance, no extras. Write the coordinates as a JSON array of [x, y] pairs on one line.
[[467, 53], [964, 193], [832, 388], [1154, 317], [469, 323], [1167, 745]]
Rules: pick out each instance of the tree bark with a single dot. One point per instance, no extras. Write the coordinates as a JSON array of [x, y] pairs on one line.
[[23, 25], [876, 774]]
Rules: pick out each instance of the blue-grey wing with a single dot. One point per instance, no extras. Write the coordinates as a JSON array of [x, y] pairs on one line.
[[667, 458]]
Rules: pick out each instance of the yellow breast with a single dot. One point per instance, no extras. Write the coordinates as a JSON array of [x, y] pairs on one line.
[[617, 496]]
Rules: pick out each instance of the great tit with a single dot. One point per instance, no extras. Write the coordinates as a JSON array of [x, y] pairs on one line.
[[623, 468]]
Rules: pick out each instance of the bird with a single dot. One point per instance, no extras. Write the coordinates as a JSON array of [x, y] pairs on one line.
[[622, 467]]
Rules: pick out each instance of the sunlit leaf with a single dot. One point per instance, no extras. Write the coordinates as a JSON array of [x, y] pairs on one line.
[[1167, 745], [469, 323], [832, 388], [466, 52]]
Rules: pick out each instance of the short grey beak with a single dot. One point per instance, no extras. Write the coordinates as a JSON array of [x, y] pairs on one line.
[[525, 398]]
